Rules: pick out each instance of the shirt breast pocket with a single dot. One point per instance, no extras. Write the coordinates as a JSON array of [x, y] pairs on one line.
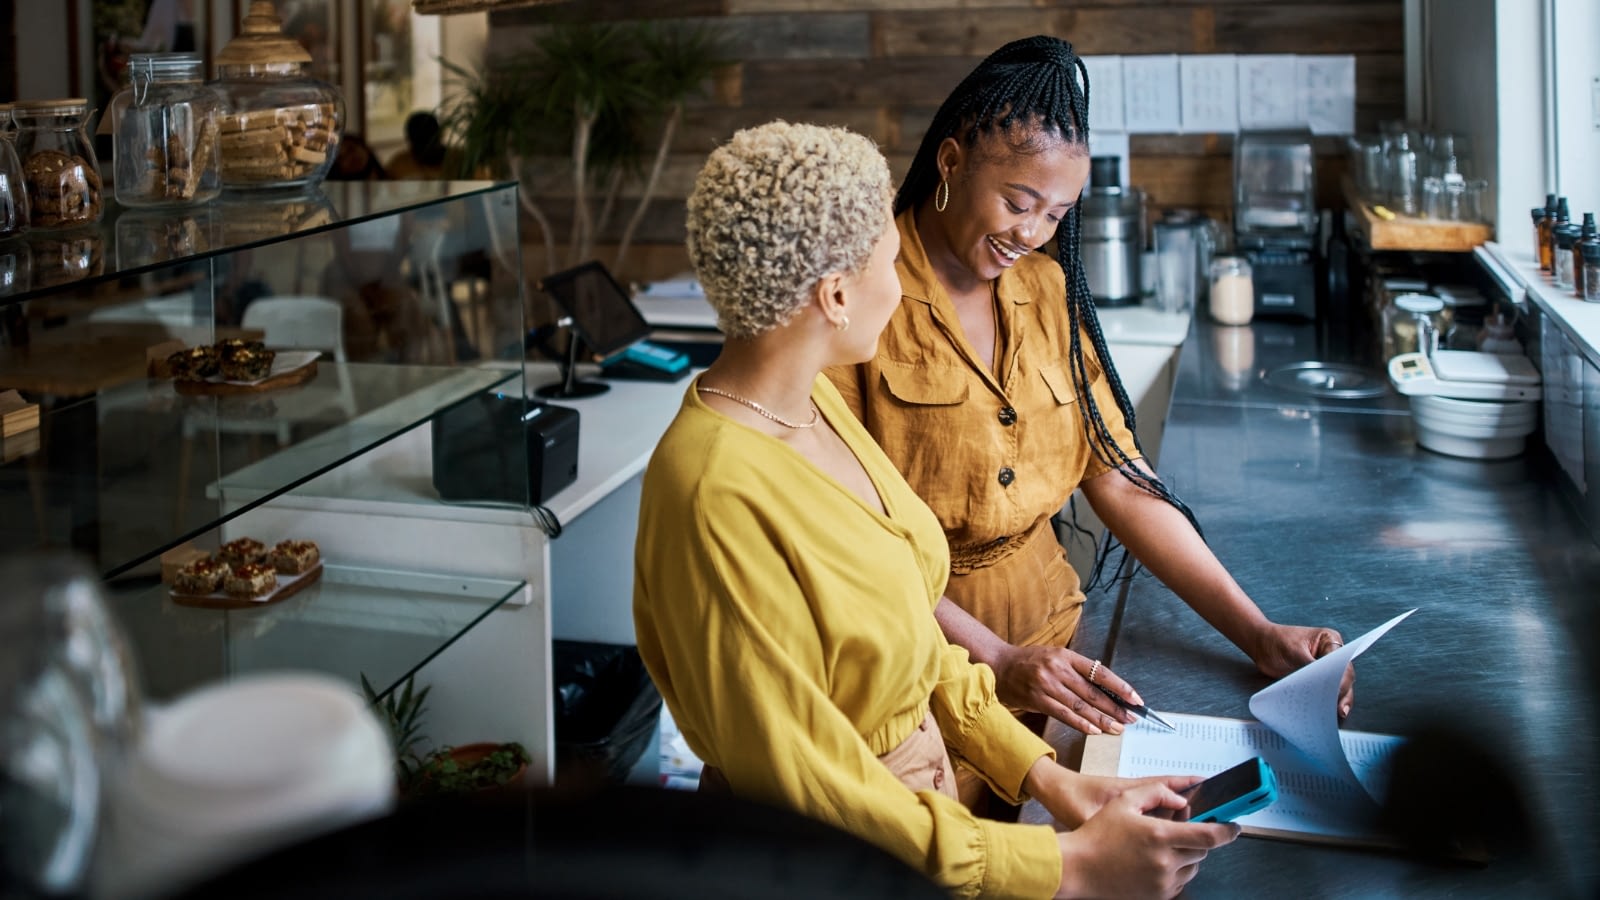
[[928, 409], [1058, 378], [926, 385]]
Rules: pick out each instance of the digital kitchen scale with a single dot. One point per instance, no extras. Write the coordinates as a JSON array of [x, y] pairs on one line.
[[1465, 374]]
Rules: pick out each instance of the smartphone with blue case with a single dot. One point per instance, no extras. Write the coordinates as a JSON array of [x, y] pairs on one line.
[[1246, 788]]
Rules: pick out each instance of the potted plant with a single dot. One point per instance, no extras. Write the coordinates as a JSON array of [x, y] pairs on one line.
[[469, 767], [591, 98], [472, 767]]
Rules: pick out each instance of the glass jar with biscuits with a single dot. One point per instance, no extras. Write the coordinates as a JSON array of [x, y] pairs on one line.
[[60, 172], [280, 127], [166, 123]]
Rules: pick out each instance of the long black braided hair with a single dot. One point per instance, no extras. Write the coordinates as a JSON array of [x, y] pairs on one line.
[[1039, 85]]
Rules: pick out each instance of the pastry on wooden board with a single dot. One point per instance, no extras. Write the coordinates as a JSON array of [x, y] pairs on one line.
[[250, 580], [243, 550], [294, 557]]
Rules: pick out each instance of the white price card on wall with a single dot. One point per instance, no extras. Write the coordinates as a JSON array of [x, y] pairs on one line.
[[1269, 92], [1327, 93], [1209, 93], [1150, 102], [1105, 92]]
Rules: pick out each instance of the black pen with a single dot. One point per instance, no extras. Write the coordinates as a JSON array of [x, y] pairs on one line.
[[1137, 709]]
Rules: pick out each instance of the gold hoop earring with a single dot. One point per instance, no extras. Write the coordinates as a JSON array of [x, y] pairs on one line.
[[842, 324], [941, 196]]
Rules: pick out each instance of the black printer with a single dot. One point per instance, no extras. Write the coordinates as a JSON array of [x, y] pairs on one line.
[[478, 449]]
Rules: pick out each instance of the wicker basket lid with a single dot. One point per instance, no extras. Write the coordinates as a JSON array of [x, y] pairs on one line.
[[261, 40]]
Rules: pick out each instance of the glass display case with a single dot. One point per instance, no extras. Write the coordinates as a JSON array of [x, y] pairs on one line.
[[382, 303]]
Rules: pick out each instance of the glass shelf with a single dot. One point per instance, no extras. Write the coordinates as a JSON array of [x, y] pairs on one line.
[[130, 242], [146, 496], [352, 622]]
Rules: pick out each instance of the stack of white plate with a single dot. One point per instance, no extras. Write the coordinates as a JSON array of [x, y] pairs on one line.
[[1476, 429]]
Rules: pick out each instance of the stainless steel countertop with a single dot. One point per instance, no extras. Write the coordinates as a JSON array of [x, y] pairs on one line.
[[1327, 513]]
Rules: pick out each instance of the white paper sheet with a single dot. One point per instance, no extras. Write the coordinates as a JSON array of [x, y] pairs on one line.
[[1303, 706], [1310, 801], [1269, 92], [1149, 94], [1105, 92], [1209, 86], [1328, 93], [1329, 781]]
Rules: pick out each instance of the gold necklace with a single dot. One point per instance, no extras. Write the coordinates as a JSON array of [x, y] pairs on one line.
[[762, 410]]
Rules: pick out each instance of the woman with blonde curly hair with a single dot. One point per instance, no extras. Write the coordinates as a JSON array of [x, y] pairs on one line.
[[786, 574]]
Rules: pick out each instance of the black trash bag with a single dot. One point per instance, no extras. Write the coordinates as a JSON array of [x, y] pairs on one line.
[[607, 711]]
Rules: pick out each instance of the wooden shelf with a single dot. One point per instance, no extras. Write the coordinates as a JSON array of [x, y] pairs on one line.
[[1412, 233]]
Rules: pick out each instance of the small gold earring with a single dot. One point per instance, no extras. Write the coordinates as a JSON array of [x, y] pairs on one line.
[[941, 196], [842, 324]]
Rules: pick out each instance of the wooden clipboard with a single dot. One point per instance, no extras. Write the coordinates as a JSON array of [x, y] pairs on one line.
[[1103, 752]]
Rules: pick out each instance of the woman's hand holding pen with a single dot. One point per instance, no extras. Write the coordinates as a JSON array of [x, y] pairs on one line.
[[1281, 649], [1062, 684]]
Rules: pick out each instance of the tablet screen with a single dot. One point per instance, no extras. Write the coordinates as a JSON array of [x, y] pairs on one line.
[[602, 313]]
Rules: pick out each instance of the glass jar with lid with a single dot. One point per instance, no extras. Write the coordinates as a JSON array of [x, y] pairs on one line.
[[166, 121], [13, 197], [1412, 323], [1233, 294], [60, 172], [280, 126]]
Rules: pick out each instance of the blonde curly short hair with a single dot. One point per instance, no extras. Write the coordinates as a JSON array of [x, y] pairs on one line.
[[774, 210]]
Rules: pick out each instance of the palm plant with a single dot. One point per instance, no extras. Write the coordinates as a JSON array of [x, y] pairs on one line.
[[598, 94], [402, 711]]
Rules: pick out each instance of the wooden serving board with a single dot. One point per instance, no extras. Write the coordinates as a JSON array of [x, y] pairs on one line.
[[298, 372], [288, 585]]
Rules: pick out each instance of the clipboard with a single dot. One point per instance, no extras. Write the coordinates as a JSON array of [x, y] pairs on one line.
[[1102, 755]]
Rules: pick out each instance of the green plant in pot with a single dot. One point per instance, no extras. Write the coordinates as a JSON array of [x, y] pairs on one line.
[[591, 98], [469, 767]]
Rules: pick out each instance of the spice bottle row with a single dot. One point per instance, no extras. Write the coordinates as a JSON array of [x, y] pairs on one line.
[[177, 139], [1568, 252]]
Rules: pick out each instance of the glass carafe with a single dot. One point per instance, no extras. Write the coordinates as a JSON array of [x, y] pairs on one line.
[[59, 169], [1405, 183]]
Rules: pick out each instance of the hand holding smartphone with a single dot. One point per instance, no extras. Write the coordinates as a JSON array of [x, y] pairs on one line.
[[1246, 788]]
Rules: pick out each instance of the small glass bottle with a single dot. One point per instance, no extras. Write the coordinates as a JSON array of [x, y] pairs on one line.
[[13, 196], [1405, 181], [1588, 233], [1232, 291], [1538, 232], [59, 169], [1547, 240], [165, 152], [1591, 272], [1566, 235]]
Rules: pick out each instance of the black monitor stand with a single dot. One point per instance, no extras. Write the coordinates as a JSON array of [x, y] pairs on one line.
[[570, 385]]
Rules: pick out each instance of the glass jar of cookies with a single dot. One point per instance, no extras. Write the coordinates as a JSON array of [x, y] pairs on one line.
[[59, 170], [13, 197], [166, 122], [280, 126]]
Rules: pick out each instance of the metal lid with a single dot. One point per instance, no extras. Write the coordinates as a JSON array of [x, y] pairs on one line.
[[261, 40], [1419, 303], [63, 107], [1334, 381]]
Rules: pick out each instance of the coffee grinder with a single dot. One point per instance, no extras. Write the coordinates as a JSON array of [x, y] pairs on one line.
[[1275, 219]]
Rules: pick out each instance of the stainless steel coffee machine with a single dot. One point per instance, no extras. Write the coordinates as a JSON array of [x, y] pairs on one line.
[[1275, 219], [1113, 234]]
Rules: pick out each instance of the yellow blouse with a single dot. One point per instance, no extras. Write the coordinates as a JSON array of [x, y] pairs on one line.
[[991, 454], [788, 626]]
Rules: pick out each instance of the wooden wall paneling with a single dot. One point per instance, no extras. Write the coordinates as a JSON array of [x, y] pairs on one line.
[[1311, 28], [820, 36], [853, 82], [605, 11], [929, 6], [704, 129], [975, 34]]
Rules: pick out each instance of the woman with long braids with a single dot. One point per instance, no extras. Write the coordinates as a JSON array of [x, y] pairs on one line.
[[781, 603], [993, 393]]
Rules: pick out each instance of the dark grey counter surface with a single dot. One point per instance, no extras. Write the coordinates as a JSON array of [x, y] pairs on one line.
[[1327, 513]]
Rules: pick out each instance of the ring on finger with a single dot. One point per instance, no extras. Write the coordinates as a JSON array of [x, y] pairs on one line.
[[1094, 672]]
